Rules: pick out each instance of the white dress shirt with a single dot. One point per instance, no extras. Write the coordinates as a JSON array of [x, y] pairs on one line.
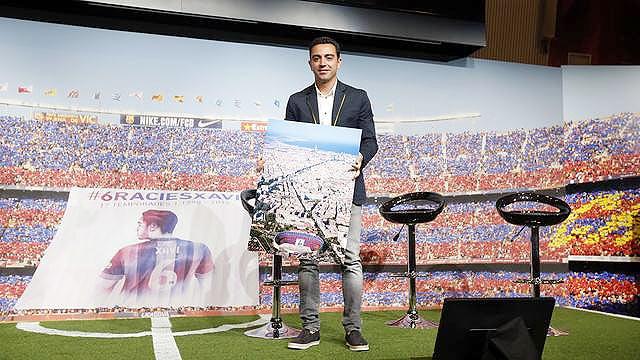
[[325, 104]]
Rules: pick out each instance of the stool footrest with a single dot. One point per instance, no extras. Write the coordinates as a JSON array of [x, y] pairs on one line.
[[280, 282], [412, 275], [540, 281], [552, 281]]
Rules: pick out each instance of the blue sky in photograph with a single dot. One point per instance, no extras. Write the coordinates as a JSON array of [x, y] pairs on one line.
[[328, 138]]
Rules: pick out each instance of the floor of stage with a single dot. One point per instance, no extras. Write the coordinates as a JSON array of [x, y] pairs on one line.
[[591, 336]]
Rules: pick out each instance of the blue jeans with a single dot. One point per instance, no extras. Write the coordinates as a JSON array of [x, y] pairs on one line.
[[309, 282]]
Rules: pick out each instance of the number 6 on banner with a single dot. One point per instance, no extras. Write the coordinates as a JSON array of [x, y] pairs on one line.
[[163, 277]]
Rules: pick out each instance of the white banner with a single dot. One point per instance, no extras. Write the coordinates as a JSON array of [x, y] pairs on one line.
[[145, 248]]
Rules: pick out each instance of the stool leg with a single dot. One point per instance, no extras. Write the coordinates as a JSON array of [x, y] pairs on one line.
[[535, 274], [412, 319], [535, 261], [275, 329], [411, 268], [276, 322]]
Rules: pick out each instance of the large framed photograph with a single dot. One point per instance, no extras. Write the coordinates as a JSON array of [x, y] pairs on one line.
[[304, 196]]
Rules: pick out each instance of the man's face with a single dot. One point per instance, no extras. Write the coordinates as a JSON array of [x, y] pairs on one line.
[[143, 230], [324, 62]]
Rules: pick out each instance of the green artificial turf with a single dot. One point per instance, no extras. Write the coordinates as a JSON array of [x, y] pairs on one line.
[[386, 342], [121, 326], [197, 323], [18, 345], [592, 336]]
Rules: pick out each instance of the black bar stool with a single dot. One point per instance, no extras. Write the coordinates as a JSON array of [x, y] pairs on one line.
[[533, 219], [276, 328], [411, 209]]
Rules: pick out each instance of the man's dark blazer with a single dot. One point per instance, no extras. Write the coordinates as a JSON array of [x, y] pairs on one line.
[[351, 108]]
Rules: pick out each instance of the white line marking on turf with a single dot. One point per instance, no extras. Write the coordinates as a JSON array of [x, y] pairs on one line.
[[603, 313], [164, 345], [226, 327], [35, 327]]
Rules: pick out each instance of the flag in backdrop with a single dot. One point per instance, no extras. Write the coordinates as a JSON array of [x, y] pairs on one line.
[[25, 89]]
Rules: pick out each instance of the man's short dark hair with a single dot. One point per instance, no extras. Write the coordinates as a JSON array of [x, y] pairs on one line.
[[325, 40], [164, 219]]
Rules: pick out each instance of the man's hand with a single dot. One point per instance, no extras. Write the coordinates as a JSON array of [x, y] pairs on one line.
[[259, 165], [356, 167]]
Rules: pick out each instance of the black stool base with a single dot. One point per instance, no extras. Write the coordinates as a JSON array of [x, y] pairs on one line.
[[275, 329], [412, 321]]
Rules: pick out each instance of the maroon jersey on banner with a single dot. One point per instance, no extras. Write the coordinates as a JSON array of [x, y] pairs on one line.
[[159, 265]]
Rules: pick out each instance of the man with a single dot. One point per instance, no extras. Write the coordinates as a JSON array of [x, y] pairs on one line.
[[332, 103], [161, 268]]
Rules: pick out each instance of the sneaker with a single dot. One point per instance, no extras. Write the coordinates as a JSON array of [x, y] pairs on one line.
[[305, 340], [355, 341]]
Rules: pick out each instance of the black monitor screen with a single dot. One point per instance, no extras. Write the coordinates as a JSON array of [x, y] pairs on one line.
[[466, 325]]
